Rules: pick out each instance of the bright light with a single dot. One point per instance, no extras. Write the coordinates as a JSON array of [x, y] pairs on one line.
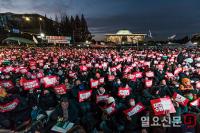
[[40, 19], [42, 35], [27, 19], [195, 43]]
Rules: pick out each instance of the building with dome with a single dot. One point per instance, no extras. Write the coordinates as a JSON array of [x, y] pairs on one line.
[[125, 37]]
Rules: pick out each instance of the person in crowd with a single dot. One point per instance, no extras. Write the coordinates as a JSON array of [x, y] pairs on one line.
[[95, 88]]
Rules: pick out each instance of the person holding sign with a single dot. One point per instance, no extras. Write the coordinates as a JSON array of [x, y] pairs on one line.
[[65, 112]]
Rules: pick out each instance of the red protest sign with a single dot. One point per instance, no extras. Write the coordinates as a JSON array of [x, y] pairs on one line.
[[134, 110], [101, 80], [23, 70], [147, 63], [131, 77], [9, 106], [118, 66], [40, 75], [84, 95], [160, 66], [16, 69], [127, 69], [138, 74], [111, 77], [32, 63], [177, 71], [198, 85], [148, 83], [162, 106], [8, 84], [72, 74], [110, 109], [96, 65], [100, 98], [123, 92], [113, 69], [60, 89], [169, 75], [33, 76], [180, 99], [94, 83], [149, 74], [8, 69], [83, 68], [31, 84], [50, 81], [195, 103]]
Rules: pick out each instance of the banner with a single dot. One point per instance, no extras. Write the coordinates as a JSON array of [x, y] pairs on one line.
[[50, 81], [31, 84], [9, 106], [134, 110], [180, 99], [60, 89], [100, 98], [58, 39], [162, 106], [123, 92], [84, 95], [94, 83]]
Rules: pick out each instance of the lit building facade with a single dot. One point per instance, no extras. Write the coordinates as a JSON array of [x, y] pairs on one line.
[[125, 37]]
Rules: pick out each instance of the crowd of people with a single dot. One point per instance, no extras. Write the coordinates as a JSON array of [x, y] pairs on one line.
[[100, 90]]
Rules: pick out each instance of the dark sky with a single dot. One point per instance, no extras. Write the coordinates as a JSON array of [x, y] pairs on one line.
[[163, 17]]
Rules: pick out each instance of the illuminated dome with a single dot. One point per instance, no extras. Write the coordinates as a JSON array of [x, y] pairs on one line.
[[123, 32]]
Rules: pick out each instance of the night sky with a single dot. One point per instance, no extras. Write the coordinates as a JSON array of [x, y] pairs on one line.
[[163, 17]]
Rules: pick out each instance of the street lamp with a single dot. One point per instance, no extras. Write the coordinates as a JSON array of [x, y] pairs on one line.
[[40, 20], [42, 35], [27, 19]]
